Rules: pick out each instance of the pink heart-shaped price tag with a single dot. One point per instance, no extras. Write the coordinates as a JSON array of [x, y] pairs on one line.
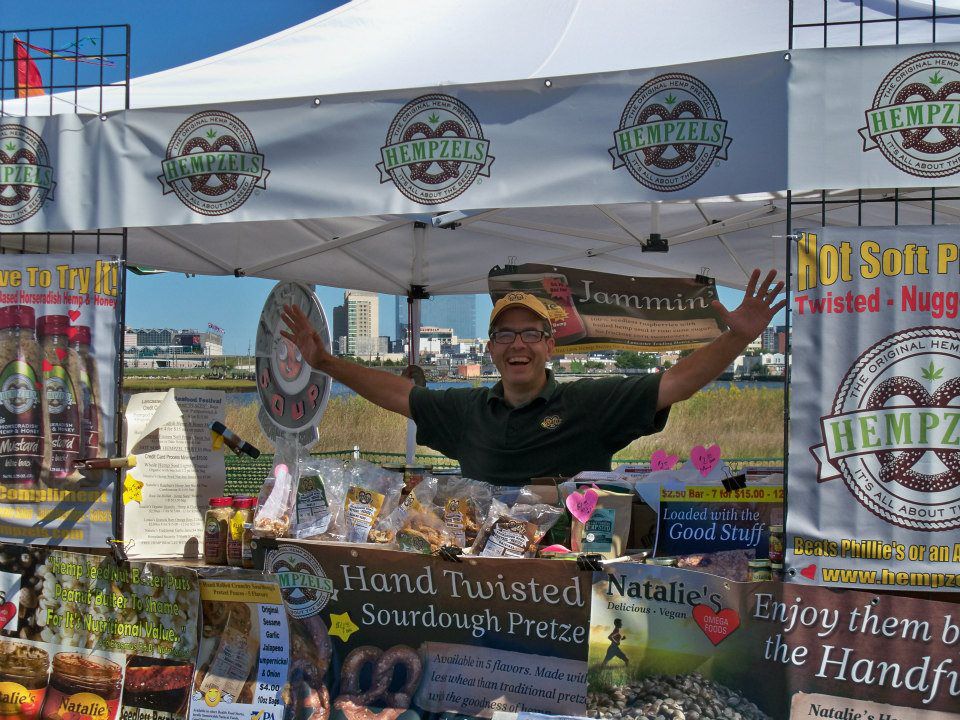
[[582, 505], [7, 612], [659, 460], [705, 459]]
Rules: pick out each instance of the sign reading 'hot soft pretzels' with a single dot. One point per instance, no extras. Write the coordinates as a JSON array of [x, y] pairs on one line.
[[874, 473]]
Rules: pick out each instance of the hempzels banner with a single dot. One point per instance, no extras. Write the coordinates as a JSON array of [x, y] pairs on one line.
[[422, 633], [874, 473], [600, 311], [58, 340]]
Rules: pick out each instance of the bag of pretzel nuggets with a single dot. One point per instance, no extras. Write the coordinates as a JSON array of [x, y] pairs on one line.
[[418, 531], [372, 493], [463, 505], [515, 531], [417, 500], [319, 500]]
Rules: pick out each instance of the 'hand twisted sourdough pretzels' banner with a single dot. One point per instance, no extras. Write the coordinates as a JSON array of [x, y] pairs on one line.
[[599, 311], [419, 633], [874, 474]]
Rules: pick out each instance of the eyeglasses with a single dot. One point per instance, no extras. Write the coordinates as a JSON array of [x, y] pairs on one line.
[[505, 337]]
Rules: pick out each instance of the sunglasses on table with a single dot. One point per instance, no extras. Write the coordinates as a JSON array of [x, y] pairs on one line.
[[505, 337]]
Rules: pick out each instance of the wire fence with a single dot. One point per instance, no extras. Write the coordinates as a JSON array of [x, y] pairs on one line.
[[245, 475]]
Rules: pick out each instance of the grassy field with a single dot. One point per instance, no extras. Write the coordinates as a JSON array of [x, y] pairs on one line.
[[745, 423]]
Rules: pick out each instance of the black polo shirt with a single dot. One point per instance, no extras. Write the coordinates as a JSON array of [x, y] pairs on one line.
[[567, 428]]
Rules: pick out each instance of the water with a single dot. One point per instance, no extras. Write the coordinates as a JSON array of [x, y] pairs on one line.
[[338, 390]]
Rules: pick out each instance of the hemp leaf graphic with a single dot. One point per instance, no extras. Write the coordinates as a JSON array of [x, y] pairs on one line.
[[932, 372], [211, 133], [10, 146], [670, 99], [936, 78], [433, 119]]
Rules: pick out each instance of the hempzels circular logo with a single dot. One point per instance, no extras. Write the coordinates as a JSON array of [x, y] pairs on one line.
[[26, 176], [894, 433], [915, 116], [212, 163], [434, 150], [305, 588], [670, 133]]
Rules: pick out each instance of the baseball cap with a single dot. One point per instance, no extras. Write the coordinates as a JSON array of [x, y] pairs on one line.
[[519, 299]]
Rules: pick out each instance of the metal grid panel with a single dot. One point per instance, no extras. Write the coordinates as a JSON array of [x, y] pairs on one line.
[[69, 59]]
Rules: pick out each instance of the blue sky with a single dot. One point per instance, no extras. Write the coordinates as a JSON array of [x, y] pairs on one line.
[[171, 33]]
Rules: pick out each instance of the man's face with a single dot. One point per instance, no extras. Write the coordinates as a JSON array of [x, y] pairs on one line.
[[520, 363]]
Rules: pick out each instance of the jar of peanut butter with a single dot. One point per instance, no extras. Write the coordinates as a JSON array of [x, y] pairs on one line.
[[216, 530]]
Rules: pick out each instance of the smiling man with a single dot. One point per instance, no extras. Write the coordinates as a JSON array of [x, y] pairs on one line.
[[529, 425]]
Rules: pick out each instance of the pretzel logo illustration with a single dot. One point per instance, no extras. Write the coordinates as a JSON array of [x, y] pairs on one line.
[[304, 585], [434, 150], [894, 431], [670, 133], [26, 176], [915, 117], [212, 163]]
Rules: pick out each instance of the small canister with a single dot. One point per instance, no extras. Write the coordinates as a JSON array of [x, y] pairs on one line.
[[776, 571], [775, 551], [759, 570], [216, 530], [242, 516]]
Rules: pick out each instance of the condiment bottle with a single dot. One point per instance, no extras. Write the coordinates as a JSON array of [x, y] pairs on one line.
[[91, 444], [62, 369], [775, 546], [24, 435], [216, 530], [242, 515]]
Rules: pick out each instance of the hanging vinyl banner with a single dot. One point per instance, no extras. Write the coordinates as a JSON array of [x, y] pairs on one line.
[[292, 394]]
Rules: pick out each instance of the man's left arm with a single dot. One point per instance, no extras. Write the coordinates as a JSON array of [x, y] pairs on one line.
[[745, 323]]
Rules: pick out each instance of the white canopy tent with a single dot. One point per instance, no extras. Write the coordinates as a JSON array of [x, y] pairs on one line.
[[380, 45]]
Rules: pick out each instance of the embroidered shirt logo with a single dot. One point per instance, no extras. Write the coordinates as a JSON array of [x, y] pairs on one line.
[[551, 422]]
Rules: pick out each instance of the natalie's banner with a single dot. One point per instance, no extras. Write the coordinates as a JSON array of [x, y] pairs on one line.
[[599, 311], [874, 473], [671, 642], [422, 633], [58, 342], [85, 637]]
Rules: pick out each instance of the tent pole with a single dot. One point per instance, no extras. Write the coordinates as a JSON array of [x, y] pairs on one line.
[[413, 334], [414, 295]]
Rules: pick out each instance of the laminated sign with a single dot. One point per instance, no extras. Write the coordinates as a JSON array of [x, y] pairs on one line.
[[58, 329], [874, 473], [599, 311]]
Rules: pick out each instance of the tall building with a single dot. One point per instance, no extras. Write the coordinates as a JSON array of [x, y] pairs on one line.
[[363, 319], [458, 312], [339, 332]]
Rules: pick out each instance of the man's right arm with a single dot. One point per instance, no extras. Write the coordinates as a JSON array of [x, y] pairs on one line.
[[389, 391]]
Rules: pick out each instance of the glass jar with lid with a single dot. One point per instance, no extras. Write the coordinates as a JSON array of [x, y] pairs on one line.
[[216, 529], [83, 687], [23, 680]]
